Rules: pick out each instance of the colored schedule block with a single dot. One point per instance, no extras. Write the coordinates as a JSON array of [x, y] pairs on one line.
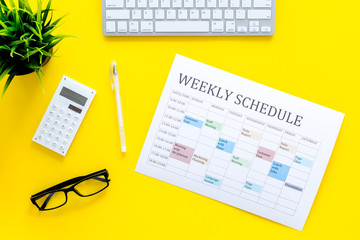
[[212, 124], [212, 180], [193, 122], [279, 171], [303, 161], [181, 152], [266, 154], [240, 161], [253, 187], [225, 145]]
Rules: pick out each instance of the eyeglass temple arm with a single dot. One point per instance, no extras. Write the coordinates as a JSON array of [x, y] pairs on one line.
[[71, 181], [101, 179], [46, 201]]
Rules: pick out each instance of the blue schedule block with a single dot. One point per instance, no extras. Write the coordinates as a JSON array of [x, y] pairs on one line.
[[225, 145], [303, 161], [193, 122], [279, 171], [253, 187], [212, 180]]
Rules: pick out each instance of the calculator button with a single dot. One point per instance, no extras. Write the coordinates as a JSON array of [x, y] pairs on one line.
[[60, 132], [62, 147], [59, 116], [54, 107], [51, 113], [53, 128], [46, 125], [43, 130], [47, 140], [63, 126], [54, 144], [57, 138], [62, 110], [71, 129], [40, 137], [50, 134], [66, 120], [73, 124], [67, 135], [56, 122], [48, 119], [76, 118], [68, 114], [64, 141]]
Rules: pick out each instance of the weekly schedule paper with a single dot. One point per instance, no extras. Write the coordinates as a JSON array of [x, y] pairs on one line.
[[239, 142]]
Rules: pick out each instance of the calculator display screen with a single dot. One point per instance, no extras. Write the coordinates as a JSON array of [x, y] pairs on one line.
[[73, 96]]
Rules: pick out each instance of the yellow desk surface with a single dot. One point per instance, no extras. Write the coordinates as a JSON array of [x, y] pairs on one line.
[[314, 55]]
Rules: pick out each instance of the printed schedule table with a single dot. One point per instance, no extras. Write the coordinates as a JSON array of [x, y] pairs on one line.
[[239, 142], [232, 152]]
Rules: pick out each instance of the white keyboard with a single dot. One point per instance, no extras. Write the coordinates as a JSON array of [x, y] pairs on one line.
[[188, 17]]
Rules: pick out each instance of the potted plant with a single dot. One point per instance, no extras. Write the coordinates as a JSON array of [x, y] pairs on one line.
[[26, 39]]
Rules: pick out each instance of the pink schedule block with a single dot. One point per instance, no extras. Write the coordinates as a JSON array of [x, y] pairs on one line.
[[266, 154], [182, 153]]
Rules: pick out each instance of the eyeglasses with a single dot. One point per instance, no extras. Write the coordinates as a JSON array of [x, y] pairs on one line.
[[84, 186]]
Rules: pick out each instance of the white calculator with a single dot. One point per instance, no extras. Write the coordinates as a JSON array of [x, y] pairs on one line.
[[64, 115]]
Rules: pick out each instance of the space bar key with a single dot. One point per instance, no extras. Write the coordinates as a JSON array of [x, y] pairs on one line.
[[182, 26]]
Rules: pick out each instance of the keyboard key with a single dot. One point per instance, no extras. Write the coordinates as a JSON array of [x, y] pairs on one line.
[[262, 3], [182, 14], [165, 3], [134, 26], [234, 3], [176, 3], [148, 14], [182, 26], [217, 26], [242, 29], [229, 14], [142, 3], [171, 14], [130, 3], [230, 26], [240, 14], [200, 3], [205, 14], [147, 26], [211, 3], [246, 3], [254, 29], [117, 14], [114, 3], [110, 26], [223, 3], [122, 27], [266, 29], [159, 14], [188, 3], [259, 14], [153, 3], [136, 14], [254, 23], [217, 14], [194, 14]]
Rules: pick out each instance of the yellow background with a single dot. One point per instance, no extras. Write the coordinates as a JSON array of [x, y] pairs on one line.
[[314, 55]]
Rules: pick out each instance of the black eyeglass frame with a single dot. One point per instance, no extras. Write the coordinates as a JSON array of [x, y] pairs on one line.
[[73, 182]]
